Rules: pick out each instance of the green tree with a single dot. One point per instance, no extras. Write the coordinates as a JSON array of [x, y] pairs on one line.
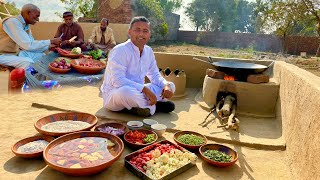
[[155, 11], [11, 7], [81, 8], [224, 16]]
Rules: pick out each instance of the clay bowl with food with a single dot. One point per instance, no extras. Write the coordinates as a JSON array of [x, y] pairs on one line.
[[31, 147], [218, 155], [60, 65], [68, 54], [87, 66], [63, 123], [83, 153], [140, 138], [134, 125], [114, 128], [190, 140]]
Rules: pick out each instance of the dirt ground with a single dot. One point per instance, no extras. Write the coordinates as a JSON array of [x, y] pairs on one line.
[[311, 64]]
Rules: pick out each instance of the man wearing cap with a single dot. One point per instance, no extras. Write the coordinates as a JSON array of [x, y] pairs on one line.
[[18, 48], [102, 37], [68, 30]]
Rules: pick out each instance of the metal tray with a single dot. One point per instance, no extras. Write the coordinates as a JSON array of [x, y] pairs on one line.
[[142, 175]]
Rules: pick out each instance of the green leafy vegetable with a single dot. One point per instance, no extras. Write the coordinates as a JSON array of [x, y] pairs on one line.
[[217, 156], [96, 54]]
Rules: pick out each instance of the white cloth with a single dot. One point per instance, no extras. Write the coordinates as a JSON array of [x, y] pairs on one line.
[[125, 75], [32, 50]]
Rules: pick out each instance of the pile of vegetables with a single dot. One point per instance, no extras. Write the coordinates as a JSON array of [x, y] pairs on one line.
[[111, 130], [76, 50], [96, 54], [190, 139], [61, 63], [217, 156], [138, 137], [162, 160]]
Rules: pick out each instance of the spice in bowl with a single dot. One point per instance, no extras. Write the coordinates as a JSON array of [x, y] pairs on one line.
[[191, 139], [32, 147]]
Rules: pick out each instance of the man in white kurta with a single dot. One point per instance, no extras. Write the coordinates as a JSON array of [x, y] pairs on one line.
[[128, 64]]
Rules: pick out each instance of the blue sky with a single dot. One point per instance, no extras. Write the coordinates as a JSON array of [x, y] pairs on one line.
[[49, 7]]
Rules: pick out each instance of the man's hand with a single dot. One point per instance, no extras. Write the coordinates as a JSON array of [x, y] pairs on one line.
[[152, 97], [55, 41], [167, 92]]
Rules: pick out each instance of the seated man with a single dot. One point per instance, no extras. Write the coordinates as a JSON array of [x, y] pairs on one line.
[[68, 30], [129, 62], [17, 45], [102, 37]]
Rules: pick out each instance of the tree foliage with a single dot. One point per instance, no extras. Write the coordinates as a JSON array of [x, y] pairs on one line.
[[224, 16], [155, 11], [81, 8], [11, 7]]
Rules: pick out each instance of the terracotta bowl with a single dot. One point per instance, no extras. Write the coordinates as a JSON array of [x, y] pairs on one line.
[[138, 146], [58, 70], [82, 171], [87, 70], [75, 116], [187, 146], [72, 56], [22, 142], [221, 148], [114, 125]]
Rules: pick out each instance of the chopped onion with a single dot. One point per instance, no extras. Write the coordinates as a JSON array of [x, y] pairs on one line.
[[111, 130]]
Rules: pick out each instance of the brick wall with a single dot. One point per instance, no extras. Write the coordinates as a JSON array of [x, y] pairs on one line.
[[117, 11], [297, 44], [259, 42]]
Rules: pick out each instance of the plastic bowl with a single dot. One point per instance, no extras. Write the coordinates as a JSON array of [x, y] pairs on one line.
[[221, 148], [138, 146], [22, 142], [159, 129], [74, 116], [149, 122], [188, 146], [134, 125], [114, 125]]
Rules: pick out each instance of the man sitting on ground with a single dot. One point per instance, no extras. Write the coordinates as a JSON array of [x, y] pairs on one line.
[[68, 30], [18, 48], [102, 37], [123, 87]]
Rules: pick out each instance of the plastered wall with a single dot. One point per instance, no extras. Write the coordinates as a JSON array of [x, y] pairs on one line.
[[47, 30]]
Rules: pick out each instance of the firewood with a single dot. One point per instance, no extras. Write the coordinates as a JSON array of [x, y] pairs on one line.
[[230, 119], [228, 101], [211, 111], [218, 110]]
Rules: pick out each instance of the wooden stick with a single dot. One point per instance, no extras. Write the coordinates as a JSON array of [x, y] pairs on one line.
[[218, 109], [230, 119], [227, 105]]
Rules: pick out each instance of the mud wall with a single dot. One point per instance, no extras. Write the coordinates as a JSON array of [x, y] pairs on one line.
[[299, 106], [47, 30]]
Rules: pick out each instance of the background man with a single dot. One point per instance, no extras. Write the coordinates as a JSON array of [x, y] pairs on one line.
[[129, 62], [102, 36], [68, 30]]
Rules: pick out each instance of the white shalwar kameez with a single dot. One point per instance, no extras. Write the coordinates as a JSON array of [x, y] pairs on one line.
[[125, 75]]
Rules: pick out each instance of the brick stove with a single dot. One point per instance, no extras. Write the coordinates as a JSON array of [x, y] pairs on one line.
[[254, 94]]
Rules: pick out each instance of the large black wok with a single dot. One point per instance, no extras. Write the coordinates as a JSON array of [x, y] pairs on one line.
[[236, 67]]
